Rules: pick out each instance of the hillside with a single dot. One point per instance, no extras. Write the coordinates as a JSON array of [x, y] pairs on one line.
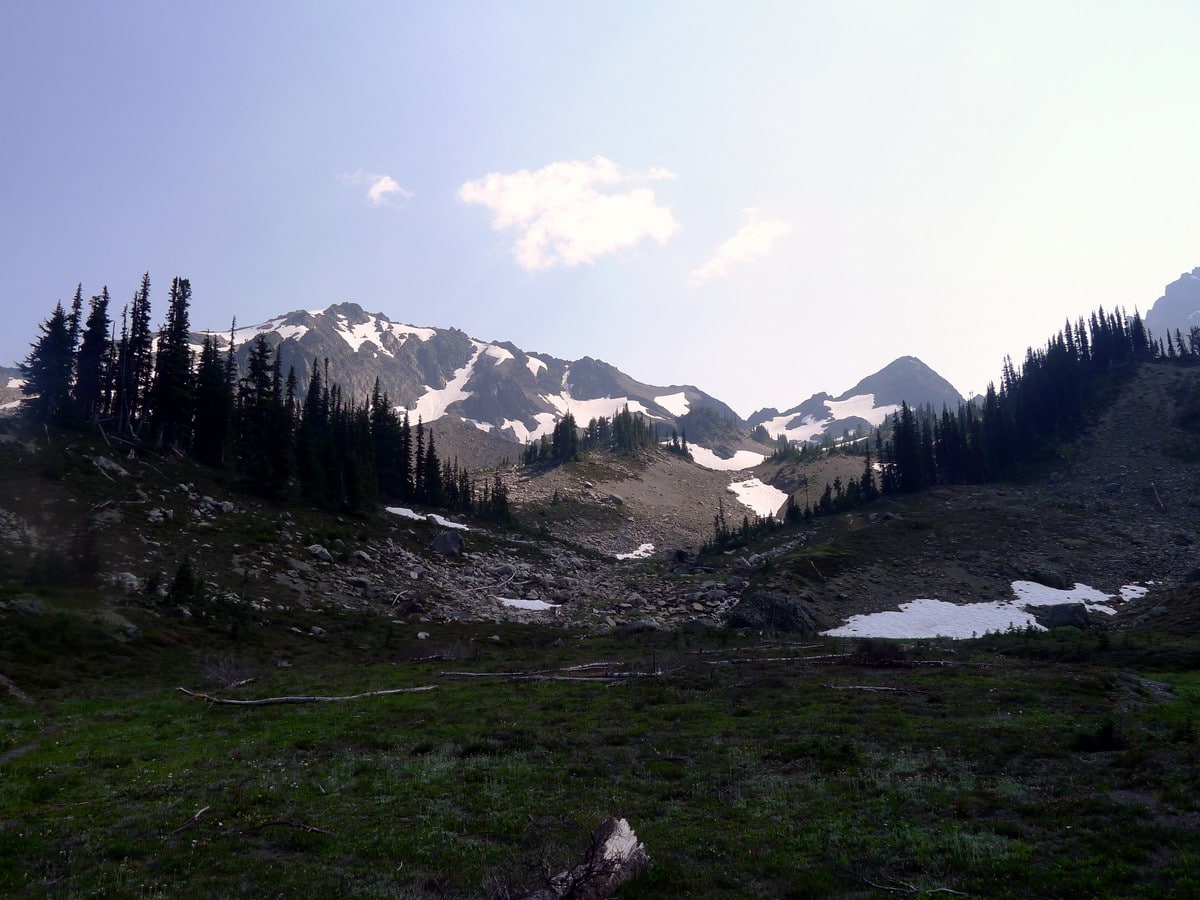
[[510, 694]]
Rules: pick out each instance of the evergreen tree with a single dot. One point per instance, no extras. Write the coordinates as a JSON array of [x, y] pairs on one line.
[[47, 371], [171, 390], [213, 407], [90, 361], [135, 363]]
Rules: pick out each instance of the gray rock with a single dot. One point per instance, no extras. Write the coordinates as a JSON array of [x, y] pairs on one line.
[[1058, 615], [316, 631], [29, 605], [106, 465], [363, 555], [126, 581], [1049, 578], [422, 635], [320, 552], [448, 543], [766, 609], [226, 507], [616, 500]]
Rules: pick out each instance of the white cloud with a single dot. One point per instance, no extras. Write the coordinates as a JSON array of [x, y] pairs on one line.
[[573, 212], [752, 241], [382, 190]]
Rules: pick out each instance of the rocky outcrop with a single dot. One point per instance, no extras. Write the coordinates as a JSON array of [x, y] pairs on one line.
[[770, 611]]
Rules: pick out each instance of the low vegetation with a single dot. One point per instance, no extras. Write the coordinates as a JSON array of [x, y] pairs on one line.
[[1064, 763]]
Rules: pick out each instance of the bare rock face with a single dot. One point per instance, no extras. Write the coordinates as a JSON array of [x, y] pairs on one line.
[[448, 543], [777, 611], [1178, 309], [1057, 615]]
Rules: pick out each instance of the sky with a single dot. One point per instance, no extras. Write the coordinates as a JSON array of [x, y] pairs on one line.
[[763, 200]]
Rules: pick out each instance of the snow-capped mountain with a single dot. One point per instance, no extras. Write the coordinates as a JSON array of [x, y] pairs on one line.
[[441, 373], [864, 406], [492, 395], [1178, 308]]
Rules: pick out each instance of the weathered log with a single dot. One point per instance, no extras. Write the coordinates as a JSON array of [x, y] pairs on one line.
[[270, 701]]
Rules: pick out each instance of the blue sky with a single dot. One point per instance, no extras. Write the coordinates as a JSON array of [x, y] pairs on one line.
[[761, 199]]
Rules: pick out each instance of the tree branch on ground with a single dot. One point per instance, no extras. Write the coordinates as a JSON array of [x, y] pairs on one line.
[[270, 701]]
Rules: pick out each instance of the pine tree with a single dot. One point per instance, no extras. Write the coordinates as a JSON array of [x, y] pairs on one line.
[[213, 408], [90, 361], [171, 390], [135, 363], [47, 371]]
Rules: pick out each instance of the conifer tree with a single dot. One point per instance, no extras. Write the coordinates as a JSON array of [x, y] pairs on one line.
[[171, 390], [90, 361], [47, 371]]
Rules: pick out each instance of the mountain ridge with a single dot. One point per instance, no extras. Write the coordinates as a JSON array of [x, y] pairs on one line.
[[519, 396]]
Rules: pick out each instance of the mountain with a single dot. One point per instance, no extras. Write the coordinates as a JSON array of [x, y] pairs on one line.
[[1178, 308], [441, 373], [505, 394], [10, 388], [864, 406]]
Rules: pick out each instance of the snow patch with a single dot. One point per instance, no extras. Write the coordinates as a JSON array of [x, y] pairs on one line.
[[11, 405], [675, 404], [534, 365], [290, 332], [811, 428], [535, 605], [586, 410], [15, 383], [499, 354], [742, 459], [432, 405], [642, 552], [763, 499], [357, 335], [862, 406], [545, 425], [928, 618], [405, 513]]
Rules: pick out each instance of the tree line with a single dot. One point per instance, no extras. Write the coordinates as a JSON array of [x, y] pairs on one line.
[[155, 392], [624, 433], [1017, 424]]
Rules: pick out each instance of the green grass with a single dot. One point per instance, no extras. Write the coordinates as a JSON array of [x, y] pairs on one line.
[[746, 779]]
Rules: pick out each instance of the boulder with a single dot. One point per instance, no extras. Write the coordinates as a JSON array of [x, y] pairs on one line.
[[1058, 615], [448, 543], [771, 610], [320, 552]]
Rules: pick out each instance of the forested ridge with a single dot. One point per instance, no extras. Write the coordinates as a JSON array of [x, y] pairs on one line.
[[279, 437]]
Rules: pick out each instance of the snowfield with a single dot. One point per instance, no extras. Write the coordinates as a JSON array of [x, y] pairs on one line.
[[533, 605], [763, 499], [675, 404], [405, 513], [810, 428], [929, 618], [642, 552], [743, 459]]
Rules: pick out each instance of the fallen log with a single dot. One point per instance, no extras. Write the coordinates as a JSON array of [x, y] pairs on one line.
[[271, 701]]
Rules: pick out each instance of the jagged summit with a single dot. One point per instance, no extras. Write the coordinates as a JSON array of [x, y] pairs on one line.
[[494, 394], [864, 406], [442, 373], [1178, 308]]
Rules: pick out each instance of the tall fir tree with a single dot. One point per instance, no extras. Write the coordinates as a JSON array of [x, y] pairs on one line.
[[171, 390], [213, 406], [47, 371], [90, 361]]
